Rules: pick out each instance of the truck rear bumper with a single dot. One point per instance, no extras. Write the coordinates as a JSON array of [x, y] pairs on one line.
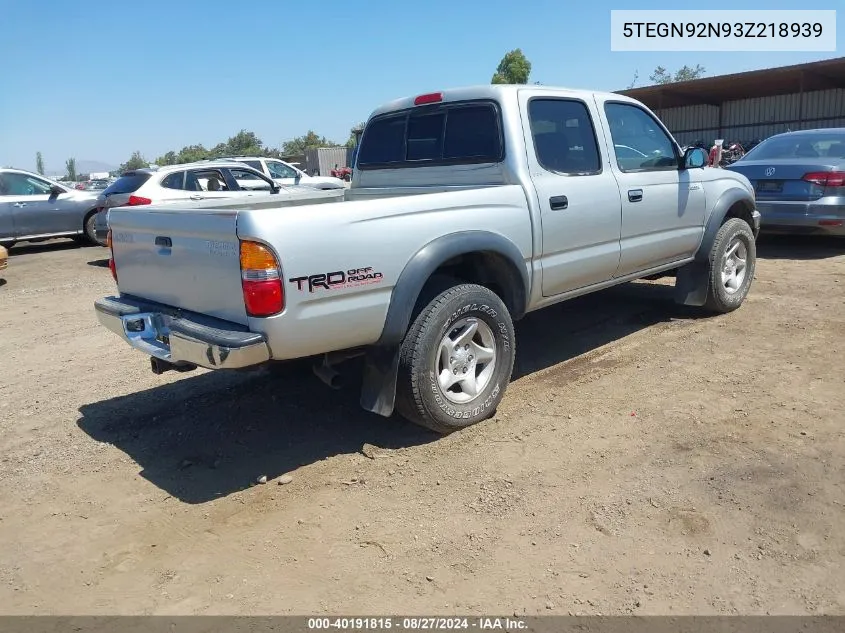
[[181, 340]]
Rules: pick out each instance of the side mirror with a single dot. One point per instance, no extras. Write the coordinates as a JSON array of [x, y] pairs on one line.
[[275, 188], [695, 158], [55, 190]]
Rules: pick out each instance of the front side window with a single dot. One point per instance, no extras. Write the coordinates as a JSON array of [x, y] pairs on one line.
[[280, 170], [639, 142], [12, 184], [248, 179], [206, 180], [564, 137], [446, 134]]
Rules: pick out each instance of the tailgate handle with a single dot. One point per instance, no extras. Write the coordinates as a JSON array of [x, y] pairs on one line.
[[164, 242]]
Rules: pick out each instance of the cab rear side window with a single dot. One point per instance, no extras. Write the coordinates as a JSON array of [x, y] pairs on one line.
[[443, 134], [564, 137]]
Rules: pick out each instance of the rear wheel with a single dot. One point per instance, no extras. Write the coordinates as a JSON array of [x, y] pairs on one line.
[[733, 259], [456, 360]]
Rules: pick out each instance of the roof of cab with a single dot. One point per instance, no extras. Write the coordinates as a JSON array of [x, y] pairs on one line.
[[497, 92]]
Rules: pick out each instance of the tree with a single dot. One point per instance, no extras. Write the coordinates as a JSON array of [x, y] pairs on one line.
[[298, 146], [634, 80], [513, 69], [136, 161], [168, 159], [244, 144], [354, 133], [39, 163], [685, 73], [70, 166]]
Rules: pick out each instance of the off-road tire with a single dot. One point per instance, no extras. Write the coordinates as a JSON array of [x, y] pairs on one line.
[[419, 397], [719, 299]]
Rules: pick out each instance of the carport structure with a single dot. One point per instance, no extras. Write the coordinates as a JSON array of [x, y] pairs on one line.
[[750, 105]]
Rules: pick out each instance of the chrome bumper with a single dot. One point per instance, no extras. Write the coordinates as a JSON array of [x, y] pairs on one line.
[[160, 333]]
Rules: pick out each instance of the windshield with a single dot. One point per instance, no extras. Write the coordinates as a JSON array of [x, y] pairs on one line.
[[821, 145]]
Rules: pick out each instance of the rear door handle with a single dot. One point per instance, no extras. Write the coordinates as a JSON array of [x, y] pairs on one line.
[[20, 204], [635, 195], [196, 197], [558, 202]]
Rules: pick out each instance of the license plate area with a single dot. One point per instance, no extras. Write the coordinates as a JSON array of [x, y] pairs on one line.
[[149, 333], [769, 186]]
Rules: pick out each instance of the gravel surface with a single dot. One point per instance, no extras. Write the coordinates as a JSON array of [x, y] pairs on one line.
[[645, 460]]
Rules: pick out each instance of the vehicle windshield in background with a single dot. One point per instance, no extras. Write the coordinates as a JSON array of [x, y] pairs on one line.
[[821, 145], [128, 183]]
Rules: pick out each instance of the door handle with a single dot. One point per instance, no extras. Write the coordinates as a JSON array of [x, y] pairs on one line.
[[635, 195], [196, 197], [558, 202], [20, 204]]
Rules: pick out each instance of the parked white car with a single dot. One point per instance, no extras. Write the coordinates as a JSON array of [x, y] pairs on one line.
[[286, 174], [206, 180]]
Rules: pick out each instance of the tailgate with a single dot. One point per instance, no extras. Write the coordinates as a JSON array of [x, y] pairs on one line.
[[187, 259]]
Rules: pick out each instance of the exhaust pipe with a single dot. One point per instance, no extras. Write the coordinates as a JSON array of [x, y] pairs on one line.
[[328, 375]]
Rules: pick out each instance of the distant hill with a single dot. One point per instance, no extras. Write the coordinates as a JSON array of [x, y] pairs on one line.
[[87, 166], [82, 167]]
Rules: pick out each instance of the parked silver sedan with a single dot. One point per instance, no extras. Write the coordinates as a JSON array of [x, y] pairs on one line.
[[799, 180], [34, 208]]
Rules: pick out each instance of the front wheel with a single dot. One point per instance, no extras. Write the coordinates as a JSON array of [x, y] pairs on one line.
[[90, 230], [456, 360], [733, 260]]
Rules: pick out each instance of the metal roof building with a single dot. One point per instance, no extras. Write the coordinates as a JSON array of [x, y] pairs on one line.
[[750, 105]]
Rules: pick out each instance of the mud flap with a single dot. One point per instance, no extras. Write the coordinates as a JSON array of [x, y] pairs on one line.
[[378, 391], [691, 283]]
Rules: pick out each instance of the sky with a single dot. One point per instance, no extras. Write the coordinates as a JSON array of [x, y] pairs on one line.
[[97, 80]]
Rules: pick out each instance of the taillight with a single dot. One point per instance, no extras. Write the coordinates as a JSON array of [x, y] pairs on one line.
[[135, 201], [261, 279], [112, 266], [826, 178]]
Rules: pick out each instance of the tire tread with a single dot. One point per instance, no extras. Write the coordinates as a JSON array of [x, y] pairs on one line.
[[409, 400], [732, 226]]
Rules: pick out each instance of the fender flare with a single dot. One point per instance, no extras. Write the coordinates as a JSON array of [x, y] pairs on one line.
[[727, 200], [693, 279], [378, 392]]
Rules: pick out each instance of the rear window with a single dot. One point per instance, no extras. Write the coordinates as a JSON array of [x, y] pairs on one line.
[[445, 134], [821, 145], [130, 182]]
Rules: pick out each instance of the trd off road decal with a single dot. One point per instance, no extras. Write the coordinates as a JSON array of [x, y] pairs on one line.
[[338, 279]]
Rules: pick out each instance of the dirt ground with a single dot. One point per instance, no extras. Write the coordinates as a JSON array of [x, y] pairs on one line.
[[643, 461]]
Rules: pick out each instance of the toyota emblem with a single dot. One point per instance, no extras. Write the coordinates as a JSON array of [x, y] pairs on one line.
[[770, 171]]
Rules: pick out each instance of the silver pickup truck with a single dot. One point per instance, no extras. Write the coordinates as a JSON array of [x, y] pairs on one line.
[[468, 209]]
